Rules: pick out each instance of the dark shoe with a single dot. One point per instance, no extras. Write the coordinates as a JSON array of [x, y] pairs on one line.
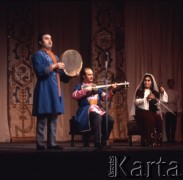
[[41, 148], [85, 144], [101, 147], [98, 145], [173, 141], [57, 147], [105, 144]]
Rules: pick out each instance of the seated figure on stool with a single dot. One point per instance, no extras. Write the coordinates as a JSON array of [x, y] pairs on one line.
[[90, 115], [146, 110]]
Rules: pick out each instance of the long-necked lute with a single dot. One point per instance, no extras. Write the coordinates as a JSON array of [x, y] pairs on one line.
[[126, 84]]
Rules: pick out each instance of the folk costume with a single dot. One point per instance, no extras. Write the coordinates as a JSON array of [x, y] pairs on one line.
[[148, 113], [90, 113], [48, 101]]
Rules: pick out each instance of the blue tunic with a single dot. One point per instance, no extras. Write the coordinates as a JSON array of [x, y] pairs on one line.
[[82, 114], [46, 98]]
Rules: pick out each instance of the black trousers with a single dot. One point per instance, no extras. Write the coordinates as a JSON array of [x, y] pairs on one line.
[[171, 121], [99, 127]]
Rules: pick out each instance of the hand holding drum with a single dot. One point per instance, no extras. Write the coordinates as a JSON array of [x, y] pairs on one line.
[[73, 62]]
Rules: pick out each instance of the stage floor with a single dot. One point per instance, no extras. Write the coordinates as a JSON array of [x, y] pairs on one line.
[[120, 161], [121, 146]]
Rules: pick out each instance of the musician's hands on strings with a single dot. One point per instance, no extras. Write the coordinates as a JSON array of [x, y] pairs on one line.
[[87, 88], [93, 88], [113, 87], [161, 88], [150, 97]]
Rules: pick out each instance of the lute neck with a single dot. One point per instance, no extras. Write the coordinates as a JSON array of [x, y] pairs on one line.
[[118, 84]]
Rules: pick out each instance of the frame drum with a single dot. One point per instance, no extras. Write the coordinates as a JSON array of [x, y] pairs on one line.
[[73, 62]]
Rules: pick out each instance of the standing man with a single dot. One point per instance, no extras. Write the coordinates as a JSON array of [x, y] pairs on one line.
[[173, 104], [48, 100], [90, 114]]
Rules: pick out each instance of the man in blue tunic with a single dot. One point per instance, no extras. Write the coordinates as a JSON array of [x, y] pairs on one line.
[[48, 100], [90, 114]]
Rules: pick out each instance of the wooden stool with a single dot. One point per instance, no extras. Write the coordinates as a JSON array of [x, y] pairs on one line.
[[74, 130], [133, 129]]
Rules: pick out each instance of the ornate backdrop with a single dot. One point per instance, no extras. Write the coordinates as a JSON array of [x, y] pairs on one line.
[[153, 43], [108, 46], [20, 73], [107, 31]]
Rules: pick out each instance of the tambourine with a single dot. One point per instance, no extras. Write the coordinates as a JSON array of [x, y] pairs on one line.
[[73, 62]]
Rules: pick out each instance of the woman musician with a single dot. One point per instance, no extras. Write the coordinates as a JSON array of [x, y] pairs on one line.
[[147, 112]]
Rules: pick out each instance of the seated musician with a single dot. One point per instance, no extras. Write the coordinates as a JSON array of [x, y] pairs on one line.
[[90, 113], [146, 110]]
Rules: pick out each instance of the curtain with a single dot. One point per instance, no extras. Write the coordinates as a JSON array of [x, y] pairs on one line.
[[108, 47], [4, 127], [153, 43], [65, 22]]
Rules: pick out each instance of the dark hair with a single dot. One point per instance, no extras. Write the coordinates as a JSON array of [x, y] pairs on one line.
[[40, 36], [83, 73]]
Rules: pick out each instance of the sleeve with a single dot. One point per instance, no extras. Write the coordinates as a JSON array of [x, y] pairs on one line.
[[78, 92], [164, 97], [109, 95], [139, 101], [139, 98], [64, 77], [41, 68]]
